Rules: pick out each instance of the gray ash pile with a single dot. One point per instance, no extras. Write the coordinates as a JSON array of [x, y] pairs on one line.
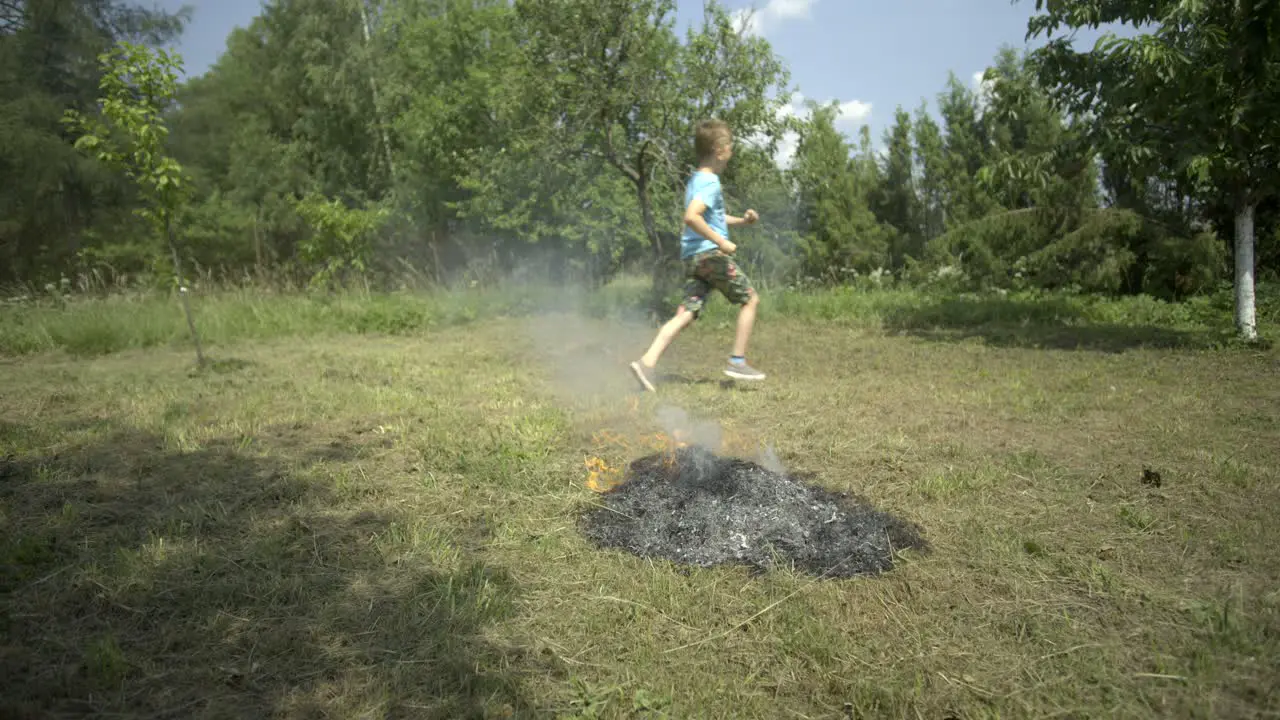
[[698, 508]]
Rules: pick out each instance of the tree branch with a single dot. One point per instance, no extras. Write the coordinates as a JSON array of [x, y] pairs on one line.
[[611, 155]]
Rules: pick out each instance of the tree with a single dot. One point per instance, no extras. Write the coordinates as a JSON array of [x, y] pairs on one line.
[[232, 132], [287, 111], [444, 60], [840, 233], [966, 152], [341, 240], [1195, 94], [1023, 124], [930, 174], [896, 203], [607, 84], [129, 134], [54, 202]]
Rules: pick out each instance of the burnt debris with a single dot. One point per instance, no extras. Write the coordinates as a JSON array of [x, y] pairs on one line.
[[697, 508]]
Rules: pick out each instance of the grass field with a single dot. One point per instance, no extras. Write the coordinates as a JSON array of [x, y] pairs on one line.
[[366, 508]]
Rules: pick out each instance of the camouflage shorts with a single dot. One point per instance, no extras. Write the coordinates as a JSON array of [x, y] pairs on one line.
[[713, 270]]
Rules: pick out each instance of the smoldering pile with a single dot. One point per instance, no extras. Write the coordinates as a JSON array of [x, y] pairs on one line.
[[697, 508]]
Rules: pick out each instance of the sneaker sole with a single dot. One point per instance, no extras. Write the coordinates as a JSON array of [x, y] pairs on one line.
[[644, 382], [740, 376]]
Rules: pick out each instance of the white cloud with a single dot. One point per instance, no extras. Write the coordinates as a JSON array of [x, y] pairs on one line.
[[789, 8], [750, 21], [853, 113]]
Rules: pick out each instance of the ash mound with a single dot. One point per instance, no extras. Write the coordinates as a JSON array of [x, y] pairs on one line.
[[703, 509]]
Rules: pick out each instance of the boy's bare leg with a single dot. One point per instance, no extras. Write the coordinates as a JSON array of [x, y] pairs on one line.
[[746, 321], [738, 367], [665, 336], [660, 343]]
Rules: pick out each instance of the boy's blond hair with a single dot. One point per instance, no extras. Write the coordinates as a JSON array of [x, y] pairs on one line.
[[708, 138]]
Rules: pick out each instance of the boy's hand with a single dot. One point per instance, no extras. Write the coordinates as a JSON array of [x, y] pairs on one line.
[[751, 217]]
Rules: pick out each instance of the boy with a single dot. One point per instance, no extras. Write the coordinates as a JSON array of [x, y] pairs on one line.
[[706, 252]]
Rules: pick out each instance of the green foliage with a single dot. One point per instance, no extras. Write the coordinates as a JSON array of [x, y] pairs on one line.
[[840, 235], [1098, 256], [285, 112], [492, 141], [990, 252], [1035, 157], [341, 241], [216, 229], [129, 132], [931, 162], [1100, 251], [56, 201], [896, 201], [1191, 98], [442, 72], [1186, 93], [966, 154], [1180, 267]]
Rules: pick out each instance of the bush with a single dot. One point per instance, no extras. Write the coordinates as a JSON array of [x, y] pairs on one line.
[[1107, 251], [1098, 256], [1180, 267], [988, 250]]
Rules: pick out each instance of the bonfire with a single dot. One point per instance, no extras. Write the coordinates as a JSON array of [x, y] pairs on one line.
[[688, 504]]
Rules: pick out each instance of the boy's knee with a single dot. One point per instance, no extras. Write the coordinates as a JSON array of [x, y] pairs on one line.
[[684, 316]]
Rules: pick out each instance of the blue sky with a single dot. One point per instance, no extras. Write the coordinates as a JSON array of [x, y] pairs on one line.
[[869, 55]]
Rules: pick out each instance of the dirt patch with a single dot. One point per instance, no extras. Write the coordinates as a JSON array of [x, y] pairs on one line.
[[697, 508]]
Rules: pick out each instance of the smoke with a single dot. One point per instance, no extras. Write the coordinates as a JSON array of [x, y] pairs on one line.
[[677, 423], [768, 459], [586, 359], [586, 362]]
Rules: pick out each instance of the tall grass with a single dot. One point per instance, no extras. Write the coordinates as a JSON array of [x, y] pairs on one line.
[[95, 325]]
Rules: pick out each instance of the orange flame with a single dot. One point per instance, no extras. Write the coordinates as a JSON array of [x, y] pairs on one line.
[[601, 477], [672, 443]]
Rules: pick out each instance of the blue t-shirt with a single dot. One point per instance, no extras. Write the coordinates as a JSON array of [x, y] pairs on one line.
[[706, 187]]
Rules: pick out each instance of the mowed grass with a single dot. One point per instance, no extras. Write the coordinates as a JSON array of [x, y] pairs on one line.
[[383, 525]]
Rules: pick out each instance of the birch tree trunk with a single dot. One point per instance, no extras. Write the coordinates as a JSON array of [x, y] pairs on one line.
[[1246, 316], [373, 86]]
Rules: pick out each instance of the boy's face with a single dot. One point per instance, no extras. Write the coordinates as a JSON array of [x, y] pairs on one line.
[[724, 152]]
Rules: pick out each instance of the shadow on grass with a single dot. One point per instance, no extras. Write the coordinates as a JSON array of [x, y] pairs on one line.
[[724, 383], [137, 581], [1050, 323]]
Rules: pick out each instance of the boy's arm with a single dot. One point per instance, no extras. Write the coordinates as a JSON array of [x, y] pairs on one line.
[[749, 218], [693, 218]]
